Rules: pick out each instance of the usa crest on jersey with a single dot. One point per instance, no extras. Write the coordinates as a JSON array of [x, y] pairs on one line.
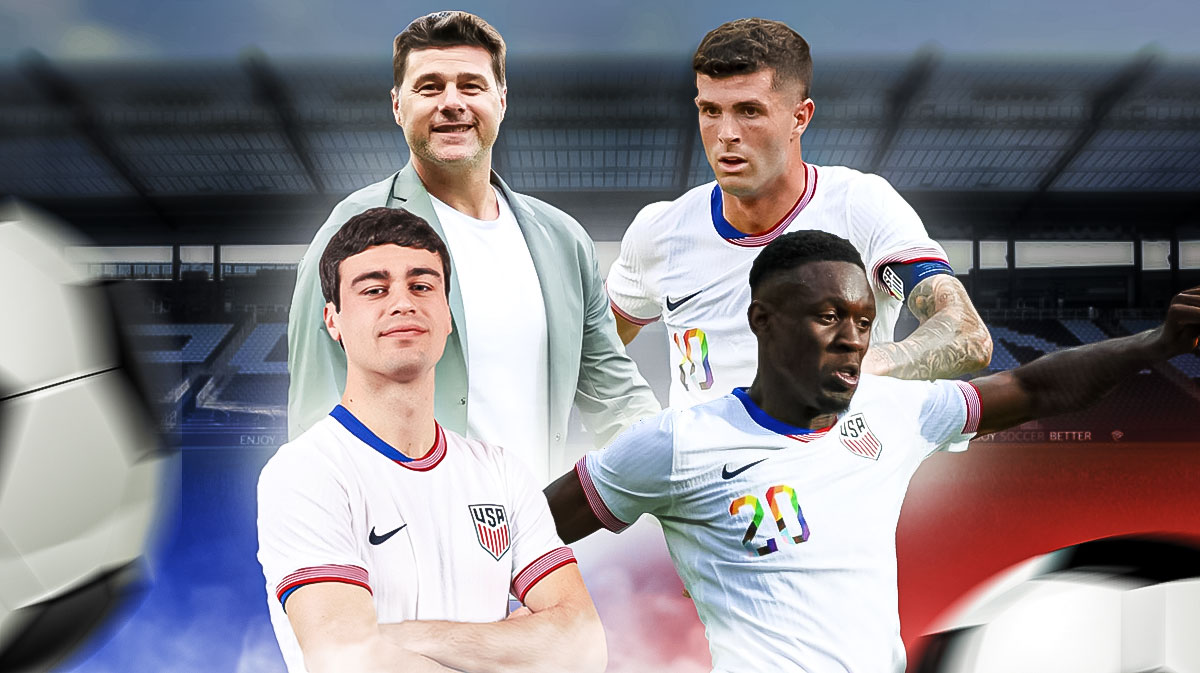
[[859, 439], [491, 527]]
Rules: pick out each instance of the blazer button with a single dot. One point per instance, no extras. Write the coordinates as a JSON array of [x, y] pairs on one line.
[[557, 437], [462, 400]]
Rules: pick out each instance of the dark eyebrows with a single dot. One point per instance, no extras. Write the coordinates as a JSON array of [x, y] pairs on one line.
[[378, 274], [752, 102], [426, 78], [384, 275], [418, 271], [843, 304], [437, 77]]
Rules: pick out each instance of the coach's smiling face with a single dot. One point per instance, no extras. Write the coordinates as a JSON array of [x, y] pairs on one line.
[[813, 325], [450, 105]]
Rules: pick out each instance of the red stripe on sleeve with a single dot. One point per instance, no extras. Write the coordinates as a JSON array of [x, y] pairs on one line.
[[327, 573], [631, 318], [606, 517], [535, 572], [974, 406]]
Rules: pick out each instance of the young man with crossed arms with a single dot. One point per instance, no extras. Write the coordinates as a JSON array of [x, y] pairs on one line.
[[390, 543]]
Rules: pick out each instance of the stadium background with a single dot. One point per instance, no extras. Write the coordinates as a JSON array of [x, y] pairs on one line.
[[1064, 187]]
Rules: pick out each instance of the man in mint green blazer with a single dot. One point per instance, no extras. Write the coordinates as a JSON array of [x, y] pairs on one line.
[[449, 98]]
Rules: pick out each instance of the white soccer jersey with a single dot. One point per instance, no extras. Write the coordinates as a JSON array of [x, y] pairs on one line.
[[785, 537], [683, 262], [447, 536]]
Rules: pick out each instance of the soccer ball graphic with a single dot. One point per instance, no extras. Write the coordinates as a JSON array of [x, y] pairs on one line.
[[80, 460], [1116, 605]]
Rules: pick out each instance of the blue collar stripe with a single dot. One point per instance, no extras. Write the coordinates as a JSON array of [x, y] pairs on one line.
[[724, 228], [356, 428], [759, 416]]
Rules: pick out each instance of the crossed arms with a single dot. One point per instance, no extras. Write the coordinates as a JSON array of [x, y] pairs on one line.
[[557, 630]]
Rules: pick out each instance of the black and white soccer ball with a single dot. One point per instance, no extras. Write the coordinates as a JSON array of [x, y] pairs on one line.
[[1115, 605], [80, 457]]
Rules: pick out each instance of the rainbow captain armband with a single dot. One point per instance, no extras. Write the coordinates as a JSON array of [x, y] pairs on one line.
[[899, 279]]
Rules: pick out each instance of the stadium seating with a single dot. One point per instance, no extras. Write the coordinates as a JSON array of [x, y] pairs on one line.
[[1016, 342], [256, 390], [1188, 364], [201, 341], [1084, 330], [256, 356]]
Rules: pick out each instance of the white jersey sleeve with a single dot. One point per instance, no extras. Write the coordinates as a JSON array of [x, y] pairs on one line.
[[537, 550], [633, 476], [949, 415], [885, 228], [632, 288], [304, 526]]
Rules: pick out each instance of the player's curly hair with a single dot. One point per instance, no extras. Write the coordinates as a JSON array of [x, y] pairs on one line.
[[377, 226], [799, 248], [447, 29], [748, 45]]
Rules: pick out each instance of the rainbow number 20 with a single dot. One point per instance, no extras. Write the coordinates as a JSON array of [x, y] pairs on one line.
[[772, 544]]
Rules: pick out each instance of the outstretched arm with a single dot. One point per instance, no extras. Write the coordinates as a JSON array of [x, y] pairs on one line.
[[560, 632], [1074, 378], [950, 340]]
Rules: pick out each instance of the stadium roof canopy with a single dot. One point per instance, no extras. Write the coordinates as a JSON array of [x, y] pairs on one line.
[[256, 151]]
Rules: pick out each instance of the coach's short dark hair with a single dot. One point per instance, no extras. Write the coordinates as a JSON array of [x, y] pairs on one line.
[[378, 226], [748, 45], [799, 248], [447, 29]]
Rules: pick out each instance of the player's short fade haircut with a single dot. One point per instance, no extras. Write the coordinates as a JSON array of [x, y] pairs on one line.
[[744, 46], [798, 248], [378, 226], [447, 29]]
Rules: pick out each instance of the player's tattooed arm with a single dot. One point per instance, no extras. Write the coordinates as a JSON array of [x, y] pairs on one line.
[[951, 339], [1074, 378], [557, 630]]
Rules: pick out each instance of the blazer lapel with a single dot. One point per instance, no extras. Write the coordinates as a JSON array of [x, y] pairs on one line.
[[547, 262]]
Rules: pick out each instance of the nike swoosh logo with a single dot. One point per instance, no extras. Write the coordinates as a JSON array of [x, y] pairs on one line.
[[380, 539], [672, 305], [726, 474]]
